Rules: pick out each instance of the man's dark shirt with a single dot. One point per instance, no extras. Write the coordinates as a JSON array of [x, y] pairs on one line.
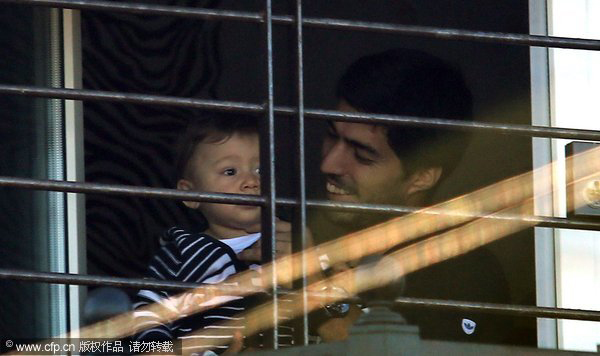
[[475, 277]]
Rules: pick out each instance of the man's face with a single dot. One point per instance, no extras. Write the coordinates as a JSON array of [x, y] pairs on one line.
[[361, 167]]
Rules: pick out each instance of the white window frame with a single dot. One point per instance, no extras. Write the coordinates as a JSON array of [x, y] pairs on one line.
[[542, 157], [75, 203], [567, 261]]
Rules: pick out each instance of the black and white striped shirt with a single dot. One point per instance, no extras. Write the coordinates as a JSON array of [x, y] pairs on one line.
[[196, 258]]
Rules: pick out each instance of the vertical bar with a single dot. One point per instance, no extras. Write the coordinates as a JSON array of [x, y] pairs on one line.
[[267, 148], [300, 241]]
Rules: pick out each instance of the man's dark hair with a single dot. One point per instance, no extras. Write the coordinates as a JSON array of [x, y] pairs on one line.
[[211, 128], [412, 83]]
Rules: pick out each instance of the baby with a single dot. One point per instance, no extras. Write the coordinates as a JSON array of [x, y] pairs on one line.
[[217, 154]]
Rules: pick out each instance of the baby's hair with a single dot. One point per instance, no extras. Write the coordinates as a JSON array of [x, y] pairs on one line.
[[211, 128]]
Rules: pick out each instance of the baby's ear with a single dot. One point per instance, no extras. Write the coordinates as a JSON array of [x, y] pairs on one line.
[[184, 184]]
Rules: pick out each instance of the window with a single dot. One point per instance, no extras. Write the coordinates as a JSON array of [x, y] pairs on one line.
[[575, 76], [32, 138], [128, 138]]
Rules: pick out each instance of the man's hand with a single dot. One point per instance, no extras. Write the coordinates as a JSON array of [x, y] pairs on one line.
[[337, 329], [236, 346]]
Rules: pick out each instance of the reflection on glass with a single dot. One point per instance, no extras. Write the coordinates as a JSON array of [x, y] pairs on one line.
[[31, 135]]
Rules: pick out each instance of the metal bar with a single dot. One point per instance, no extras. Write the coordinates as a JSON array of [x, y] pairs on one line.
[[300, 237], [165, 193], [515, 129], [127, 190], [145, 9], [138, 283], [131, 98], [328, 23], [268, 189], [160, 100], [141, 283], [540, 221], [455, 34], [88, 280], [515, 310]]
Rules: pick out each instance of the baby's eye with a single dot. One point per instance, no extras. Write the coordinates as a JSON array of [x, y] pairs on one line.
[[230, 172], [257, 171]]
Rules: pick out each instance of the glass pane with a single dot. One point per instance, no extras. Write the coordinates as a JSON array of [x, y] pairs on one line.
[[575, 85], [32, 147]]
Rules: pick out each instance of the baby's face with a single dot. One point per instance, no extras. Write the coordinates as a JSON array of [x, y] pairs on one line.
[[228, 166]]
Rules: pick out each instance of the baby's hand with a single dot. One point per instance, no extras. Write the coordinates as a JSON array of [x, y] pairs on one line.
[[283, 247], [187, 303]]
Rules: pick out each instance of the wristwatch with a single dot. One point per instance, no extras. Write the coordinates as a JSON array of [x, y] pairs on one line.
[[336, 309]]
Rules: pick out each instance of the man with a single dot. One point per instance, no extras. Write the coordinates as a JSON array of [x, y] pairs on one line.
[[402, 165]]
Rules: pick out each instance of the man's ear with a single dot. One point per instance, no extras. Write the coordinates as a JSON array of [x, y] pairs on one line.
[[424, 179], [184, 184]]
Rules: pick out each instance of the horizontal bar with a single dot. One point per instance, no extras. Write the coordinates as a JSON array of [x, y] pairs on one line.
[[514, 129], [129, 190], [142, 283], [243, 199], [515, 310], [130, 98], [329, 23], [87, 280], [540, 221], [145, 9], [139, 283], [455, 34], [146, 99]]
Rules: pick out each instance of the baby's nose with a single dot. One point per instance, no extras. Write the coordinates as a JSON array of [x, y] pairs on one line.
[[251, 182]]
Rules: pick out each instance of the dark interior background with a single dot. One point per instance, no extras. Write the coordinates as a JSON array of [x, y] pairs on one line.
[[129, 144]]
